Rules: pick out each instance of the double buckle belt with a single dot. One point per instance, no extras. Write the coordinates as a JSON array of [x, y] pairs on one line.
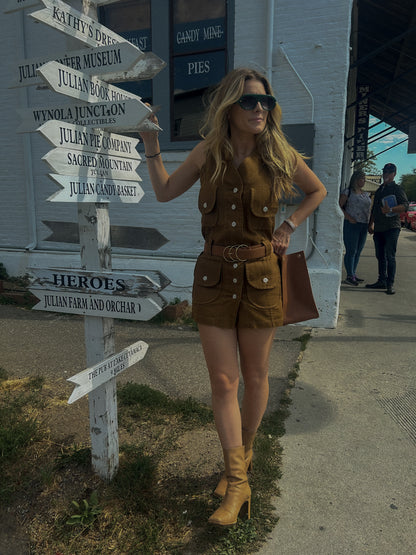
[[236, 253]]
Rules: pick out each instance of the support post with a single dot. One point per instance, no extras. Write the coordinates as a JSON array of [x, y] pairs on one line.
[[95, 250]]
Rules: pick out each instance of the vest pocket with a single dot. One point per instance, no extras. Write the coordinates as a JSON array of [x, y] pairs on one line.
[[207, 276], [207, 201], [263, 283], [263, 209]]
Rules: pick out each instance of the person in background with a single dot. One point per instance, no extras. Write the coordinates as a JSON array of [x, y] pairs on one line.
[[389, 201], [244, 165], [356, 205]]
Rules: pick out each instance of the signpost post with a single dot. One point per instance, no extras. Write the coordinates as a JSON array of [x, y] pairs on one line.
[[93, 168]]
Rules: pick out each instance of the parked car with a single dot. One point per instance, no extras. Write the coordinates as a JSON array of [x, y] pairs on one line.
[[407, 217]]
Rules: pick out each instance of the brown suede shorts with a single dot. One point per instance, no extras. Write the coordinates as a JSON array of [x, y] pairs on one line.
[[237, 294]]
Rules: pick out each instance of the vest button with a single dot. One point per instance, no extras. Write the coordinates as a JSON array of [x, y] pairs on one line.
[[234, 296], [235, 280], [205, 205], [235, 190], [235, 265], [233, 207], [265, 280], [265, 209], [233, 224], [205, 278]]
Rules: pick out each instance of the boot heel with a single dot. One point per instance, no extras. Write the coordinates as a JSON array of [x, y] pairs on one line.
[[249, 508]]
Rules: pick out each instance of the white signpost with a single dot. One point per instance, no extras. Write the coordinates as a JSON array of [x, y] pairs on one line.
[[88, 163], [102, 306], [77, 137], [92, 189], [118, 115], [91, 164], [91, 378], [113, 58], [121, 282], [76, 84], [77, 25]]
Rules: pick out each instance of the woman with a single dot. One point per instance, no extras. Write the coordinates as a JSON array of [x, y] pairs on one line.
[[244, 165], [355, 205]]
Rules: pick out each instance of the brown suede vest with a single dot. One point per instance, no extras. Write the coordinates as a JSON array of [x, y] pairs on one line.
[[239, 208]]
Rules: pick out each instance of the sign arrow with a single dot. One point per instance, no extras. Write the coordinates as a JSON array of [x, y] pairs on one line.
[[137, 284], [120, 116], [84, 163], [73, 83], [126, 237], [146, 68], [96, 375], [77, 25], [92, 189], [67, 135], [15, 5], [102, 306], [93, 61]]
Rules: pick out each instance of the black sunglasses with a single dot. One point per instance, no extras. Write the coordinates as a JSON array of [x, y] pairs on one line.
[[250, 101]]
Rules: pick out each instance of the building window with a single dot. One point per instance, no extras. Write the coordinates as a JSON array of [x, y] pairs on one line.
[[131, 20], [192, 37], [198, 60]]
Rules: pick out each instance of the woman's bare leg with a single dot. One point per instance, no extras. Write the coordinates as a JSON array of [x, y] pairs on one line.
[[220, 350], [254, 347]]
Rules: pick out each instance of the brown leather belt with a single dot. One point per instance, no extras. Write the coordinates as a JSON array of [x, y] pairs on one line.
[[236, 253]]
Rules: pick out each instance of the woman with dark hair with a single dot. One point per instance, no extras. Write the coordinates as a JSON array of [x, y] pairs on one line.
[[245, 165], [356, 205]]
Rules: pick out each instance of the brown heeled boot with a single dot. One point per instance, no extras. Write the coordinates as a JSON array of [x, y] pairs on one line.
[[238, 491], [248, 440]]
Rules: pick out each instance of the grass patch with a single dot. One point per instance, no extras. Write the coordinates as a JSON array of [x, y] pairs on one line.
[[159, 500]]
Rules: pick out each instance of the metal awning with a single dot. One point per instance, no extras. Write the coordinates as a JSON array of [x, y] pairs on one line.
[[386, 59]]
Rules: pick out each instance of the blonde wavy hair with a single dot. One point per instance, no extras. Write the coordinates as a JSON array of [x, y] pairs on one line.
[[278, 156]]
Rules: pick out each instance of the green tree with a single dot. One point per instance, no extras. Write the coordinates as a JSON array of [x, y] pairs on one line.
[[408, 182], [369, 165]]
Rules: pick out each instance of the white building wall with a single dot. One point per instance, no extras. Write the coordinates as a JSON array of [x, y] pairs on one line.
[[310, 54]]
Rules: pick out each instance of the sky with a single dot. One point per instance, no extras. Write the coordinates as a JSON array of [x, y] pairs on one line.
[[398, 155]]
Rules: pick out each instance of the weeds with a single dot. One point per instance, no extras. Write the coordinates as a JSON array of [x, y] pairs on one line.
[[86, 512]]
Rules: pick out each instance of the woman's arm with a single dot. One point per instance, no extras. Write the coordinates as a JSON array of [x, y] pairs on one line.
[[314, 191], [168, 187], [342, 203]]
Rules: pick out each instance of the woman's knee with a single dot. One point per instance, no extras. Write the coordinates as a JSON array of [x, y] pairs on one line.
[[223, 385], [256, 379]]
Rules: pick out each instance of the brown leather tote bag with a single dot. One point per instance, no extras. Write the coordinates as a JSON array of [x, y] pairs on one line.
[[298, 302]]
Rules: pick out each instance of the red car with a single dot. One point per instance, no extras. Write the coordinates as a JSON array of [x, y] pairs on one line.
[[407, 218]]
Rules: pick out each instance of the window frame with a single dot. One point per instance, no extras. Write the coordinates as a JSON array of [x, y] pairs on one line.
[[161, 18]]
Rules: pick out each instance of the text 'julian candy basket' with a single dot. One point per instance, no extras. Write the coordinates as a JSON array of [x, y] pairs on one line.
[[298, 302]]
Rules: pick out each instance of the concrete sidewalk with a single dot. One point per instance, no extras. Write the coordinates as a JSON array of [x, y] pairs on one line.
[[349, 462]]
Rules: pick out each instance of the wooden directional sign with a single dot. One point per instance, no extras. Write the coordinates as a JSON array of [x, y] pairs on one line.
[[77, 25], [67, 135], [96, 375], [15, 5], [120, 116], [93, 61], [65, 161], [146, 68], [121, 283], [92, 189], [126, 237], [76, 84], [102, 306]]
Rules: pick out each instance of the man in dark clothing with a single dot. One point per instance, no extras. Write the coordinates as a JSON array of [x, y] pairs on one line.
[[389, 200]]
